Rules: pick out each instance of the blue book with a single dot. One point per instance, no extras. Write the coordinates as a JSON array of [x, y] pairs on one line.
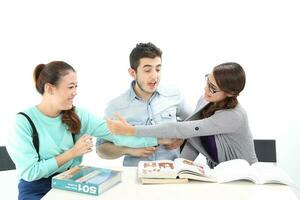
[[87, 180]]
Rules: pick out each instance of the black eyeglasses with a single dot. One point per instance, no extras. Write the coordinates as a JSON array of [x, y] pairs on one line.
[[211, 87]]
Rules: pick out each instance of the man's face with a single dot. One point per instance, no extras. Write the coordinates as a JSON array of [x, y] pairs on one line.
[[147, 75]]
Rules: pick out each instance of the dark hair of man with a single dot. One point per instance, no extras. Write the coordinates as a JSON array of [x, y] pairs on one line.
[[143, 50], [52, 73], [230, 78]]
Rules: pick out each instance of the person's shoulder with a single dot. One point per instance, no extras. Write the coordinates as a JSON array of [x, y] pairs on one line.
[[22, 122], [168, 90], [120, 101], [30, 112], [82, 113], [238, 112]]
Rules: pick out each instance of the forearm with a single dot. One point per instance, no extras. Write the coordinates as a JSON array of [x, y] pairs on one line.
[[130, 141], [108, 150], [65, 157]]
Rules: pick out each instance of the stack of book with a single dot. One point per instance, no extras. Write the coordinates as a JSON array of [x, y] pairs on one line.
[[87, 180]]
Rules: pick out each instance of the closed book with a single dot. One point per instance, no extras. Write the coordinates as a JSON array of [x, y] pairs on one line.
[[87, 180]]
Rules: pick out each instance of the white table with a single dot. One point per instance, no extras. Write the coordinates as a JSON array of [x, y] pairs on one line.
[[9, 185], [130, 188]]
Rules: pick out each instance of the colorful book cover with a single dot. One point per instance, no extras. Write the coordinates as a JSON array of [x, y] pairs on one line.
[[87, 180]]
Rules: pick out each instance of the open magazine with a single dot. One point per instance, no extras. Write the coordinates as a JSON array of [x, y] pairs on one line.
[[168, 171], [180, 170]]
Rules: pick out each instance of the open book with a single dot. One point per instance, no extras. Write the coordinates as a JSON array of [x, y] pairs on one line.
[[259, 172], [168, 171], [180, 170]]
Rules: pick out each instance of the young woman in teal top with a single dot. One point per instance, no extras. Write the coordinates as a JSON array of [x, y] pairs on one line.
[[56, 119]]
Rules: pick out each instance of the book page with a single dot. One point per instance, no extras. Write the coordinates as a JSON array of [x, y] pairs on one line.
[[233, 170], [184, 166], [270, 173], [157, 169]]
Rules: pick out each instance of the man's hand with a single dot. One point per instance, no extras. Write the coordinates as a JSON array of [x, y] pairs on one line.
[[140, 152], [175, 144], [120, 126]]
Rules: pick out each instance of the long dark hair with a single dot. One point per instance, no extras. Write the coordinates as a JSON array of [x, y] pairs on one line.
[[52, 73], [230, 78]]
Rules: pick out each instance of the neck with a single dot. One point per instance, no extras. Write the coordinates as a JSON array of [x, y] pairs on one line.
[[141, 93], [48, 109]]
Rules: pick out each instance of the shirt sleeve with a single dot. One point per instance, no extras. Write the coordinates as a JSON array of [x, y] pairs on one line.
[[22, 151], [221, 122], [183, 110], [97, 127]]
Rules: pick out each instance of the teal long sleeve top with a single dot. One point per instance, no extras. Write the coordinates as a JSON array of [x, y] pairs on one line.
[[54, 139]]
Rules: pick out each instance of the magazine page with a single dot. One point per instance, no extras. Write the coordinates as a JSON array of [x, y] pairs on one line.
[[232, 170], [156, 169], [270, 173], [188, 169]]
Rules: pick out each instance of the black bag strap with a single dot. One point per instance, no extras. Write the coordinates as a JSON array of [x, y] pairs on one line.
[[73, 136], [35, 135]]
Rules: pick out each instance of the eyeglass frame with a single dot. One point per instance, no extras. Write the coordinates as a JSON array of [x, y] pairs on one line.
[[209, 86]]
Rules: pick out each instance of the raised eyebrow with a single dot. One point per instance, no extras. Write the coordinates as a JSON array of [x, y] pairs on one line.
[[72, 83]]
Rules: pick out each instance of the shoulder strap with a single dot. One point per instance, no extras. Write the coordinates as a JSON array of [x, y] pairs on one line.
[[35, 135], [73, 136]]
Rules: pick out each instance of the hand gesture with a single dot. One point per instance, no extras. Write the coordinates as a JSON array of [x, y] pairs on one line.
[[83, 145], [141, 152], [174, 144], [119, 126], [165, 141]]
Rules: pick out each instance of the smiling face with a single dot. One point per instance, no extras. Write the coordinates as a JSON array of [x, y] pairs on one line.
[[63, 93], [212, 92], [147, 76]]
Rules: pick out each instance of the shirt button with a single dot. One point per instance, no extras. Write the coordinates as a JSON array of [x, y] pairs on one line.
[[196, 128]]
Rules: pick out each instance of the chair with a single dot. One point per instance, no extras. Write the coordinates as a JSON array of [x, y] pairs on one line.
[[5, 161], [265, 150]]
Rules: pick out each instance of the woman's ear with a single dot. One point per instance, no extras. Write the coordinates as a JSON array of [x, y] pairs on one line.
[[48, 88], [132, 73], [230, 95]]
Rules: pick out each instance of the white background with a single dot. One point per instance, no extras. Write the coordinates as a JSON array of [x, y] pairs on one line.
[[96, 37]]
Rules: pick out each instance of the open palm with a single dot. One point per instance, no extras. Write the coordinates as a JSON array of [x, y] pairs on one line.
[[120, 126]]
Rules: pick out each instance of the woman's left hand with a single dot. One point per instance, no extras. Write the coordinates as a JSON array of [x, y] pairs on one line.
[[120, 126]]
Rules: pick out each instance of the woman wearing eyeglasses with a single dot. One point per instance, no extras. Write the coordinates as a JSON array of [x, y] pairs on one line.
[[218, 128]]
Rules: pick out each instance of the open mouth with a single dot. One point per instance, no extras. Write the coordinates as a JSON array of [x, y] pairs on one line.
[[152, 85]]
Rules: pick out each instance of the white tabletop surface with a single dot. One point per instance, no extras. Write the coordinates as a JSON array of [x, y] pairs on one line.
[[130, 188]]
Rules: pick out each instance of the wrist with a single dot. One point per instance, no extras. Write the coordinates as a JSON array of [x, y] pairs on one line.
[[126, 151], [71, 153], [132, 130]]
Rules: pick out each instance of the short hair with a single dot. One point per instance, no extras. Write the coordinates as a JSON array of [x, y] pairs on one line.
[[143, 50]]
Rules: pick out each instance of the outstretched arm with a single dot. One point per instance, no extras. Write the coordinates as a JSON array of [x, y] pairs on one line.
[[225, 121], [108, 150]]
